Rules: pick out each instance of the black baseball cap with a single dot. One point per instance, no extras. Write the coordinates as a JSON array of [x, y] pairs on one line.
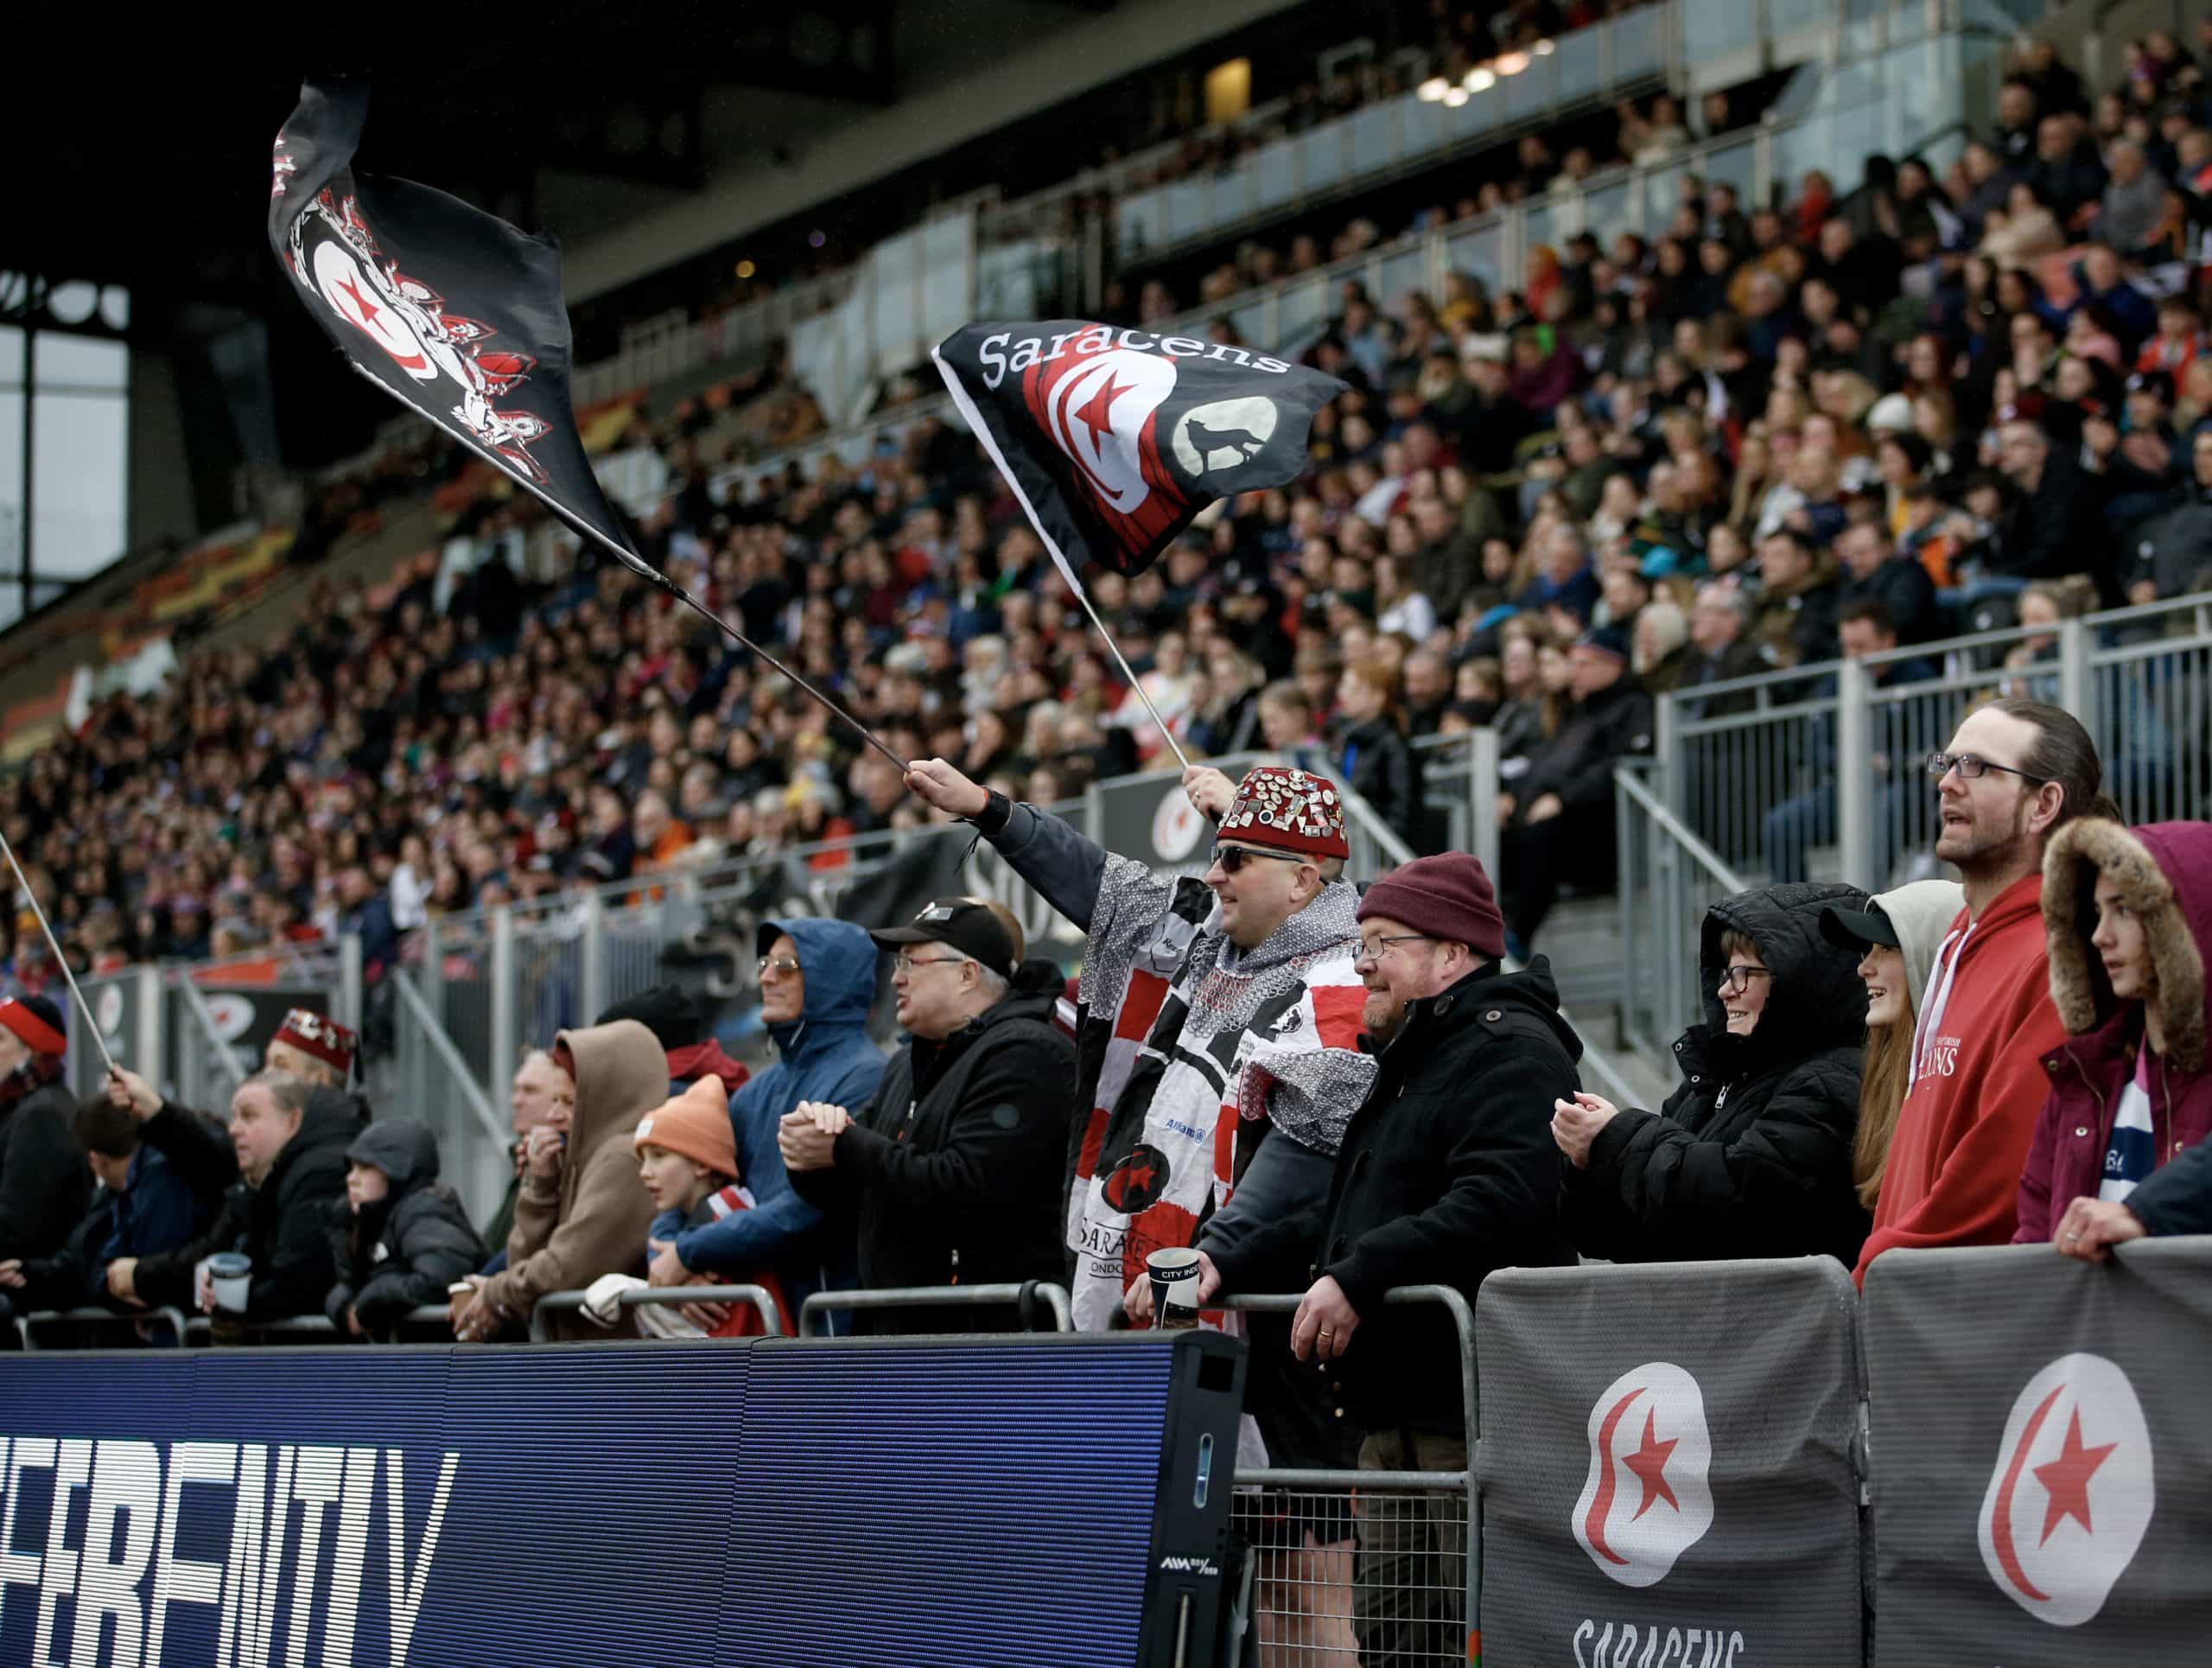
[[1857, 929], [968, 926]]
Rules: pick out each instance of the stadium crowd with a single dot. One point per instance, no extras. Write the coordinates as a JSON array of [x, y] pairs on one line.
[[1740, 444]]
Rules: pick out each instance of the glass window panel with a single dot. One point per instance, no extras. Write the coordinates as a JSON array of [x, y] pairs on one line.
[[11, 483], [79, 458], [67, 361], [11, 355]]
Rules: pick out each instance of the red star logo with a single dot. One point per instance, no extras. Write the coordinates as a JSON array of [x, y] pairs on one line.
[[2066, 1478], [1095, 412], [1650, 1464], [362, 305]]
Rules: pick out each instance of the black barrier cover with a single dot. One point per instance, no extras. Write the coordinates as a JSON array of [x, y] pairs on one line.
[[1016, 1501], [1666, 1462], [2042, 1475]]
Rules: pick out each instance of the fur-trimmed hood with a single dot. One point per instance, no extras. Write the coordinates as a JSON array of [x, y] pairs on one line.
[[2164, 870]]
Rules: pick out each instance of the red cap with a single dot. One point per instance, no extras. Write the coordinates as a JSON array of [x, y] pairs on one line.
[[37, 1021], [1287, 810], [320, 1037]]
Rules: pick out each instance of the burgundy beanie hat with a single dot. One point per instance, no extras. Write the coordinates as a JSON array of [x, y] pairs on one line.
[[1447, 896]]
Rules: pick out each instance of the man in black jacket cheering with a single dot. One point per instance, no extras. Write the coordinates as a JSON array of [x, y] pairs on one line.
[[952, 1171], [1447, 1172]]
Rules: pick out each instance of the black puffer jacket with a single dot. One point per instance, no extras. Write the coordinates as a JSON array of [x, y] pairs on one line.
[[404, 1251], [1385, 772], [951, 1175], [45, 1187], [1447, 1171], [1751, 1156], [283, 1224]]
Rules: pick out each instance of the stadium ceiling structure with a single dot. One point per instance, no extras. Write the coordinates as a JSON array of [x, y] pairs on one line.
[[142, 161]]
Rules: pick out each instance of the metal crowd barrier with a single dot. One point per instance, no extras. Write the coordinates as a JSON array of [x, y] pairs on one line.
[[1415, 1581], [558, 1302], [1022, 1296], [26, 1325], [297, 1327]]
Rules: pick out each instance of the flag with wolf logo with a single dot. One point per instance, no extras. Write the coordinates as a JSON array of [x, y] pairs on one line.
[[454, 312], [1113, 439]]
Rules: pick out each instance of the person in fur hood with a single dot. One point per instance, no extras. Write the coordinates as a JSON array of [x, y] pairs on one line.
[[2128, 913]]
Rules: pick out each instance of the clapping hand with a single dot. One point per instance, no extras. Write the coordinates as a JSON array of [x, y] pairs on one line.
[[1575, 1124]]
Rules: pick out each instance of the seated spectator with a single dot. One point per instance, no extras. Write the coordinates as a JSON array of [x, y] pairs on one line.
[[1720, 633], [2052, 527], [1558, 819], [952, 1171], [1446, 1173], [44, 1186], [817, 988], [2135, 200], [1875, 571], [143, 1207], [398, 1239], [2173, 551], [2128, 913], [1895, 937], [540, 1087], [1372, 757], [1798, 597], [1753, 1155], [687, 1163], [581, 1213], [287, 1156], [1287, 726]]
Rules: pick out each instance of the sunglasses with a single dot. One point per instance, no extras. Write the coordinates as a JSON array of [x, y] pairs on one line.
[[1234, 857]]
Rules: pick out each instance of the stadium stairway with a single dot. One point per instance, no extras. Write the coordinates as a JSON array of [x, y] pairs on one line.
[[1582, 938]]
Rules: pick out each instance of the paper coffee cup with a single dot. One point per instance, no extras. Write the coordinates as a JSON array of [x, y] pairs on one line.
[[230, 1273], [1174, 1275]]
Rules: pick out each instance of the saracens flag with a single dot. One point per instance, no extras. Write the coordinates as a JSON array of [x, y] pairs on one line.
[[454, 312], [1113, 439]]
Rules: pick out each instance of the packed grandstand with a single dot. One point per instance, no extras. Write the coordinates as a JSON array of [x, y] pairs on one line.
[[1715, 461]]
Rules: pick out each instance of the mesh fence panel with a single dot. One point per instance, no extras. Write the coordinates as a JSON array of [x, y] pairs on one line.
[[1355, 1578]]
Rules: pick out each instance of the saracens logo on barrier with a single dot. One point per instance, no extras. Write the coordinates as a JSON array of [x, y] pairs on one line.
[[1647, 1499], [2071, 1494]]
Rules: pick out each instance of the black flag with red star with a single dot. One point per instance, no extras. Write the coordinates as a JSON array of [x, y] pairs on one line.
[[454, 312], [1115, 439]]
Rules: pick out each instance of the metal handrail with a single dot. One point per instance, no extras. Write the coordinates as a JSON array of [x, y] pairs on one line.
[[1677, 830], [219, 1051], [1020, 1294], [456, 1068], [315, 1326], [1463, 1319], [27, 1325], [562, 1302]]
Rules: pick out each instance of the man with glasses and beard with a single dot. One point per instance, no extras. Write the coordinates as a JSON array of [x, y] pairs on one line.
[[1218, 1017], [2016, 773], [1446, 1171]]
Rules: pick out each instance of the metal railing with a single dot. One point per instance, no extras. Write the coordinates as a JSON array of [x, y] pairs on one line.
[[427, 1078], [26, 1325], [200, 1329], [1023, 1296], [1815, 773], [1668, 878], [1412, 1591], [562, 1303], [208, 1073]]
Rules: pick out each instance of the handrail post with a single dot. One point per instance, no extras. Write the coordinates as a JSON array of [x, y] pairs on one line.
[[1483, 836], [503, 998], [1854, 787], [2077, 684], [592, 953], [349, 979]]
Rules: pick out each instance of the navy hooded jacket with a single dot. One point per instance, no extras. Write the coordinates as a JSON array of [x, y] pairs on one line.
[[825, 1055]]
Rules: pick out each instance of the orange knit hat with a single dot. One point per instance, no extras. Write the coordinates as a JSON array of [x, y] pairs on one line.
[[695, 1123]]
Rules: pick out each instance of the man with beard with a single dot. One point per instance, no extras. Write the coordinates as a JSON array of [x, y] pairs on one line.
[[1444, 1174], [2015, 773]]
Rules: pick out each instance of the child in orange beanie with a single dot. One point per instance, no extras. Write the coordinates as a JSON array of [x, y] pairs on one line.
[[687, 1161]]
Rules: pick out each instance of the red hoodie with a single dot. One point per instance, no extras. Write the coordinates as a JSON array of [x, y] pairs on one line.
[[1953, 1173]]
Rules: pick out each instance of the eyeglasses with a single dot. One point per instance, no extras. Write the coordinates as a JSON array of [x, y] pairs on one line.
[[906, 963], [1234, 857], [1739, 979], [782, 966], [1973, 767], [1375, 949]]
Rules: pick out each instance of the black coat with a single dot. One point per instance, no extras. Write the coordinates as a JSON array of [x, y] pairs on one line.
[[1751, 1156], [1385, 773], [1901, 585], [283, 1224], [1448, 1170], [402, 1253], [1577, 764], [45, 1185], [951, 1175]]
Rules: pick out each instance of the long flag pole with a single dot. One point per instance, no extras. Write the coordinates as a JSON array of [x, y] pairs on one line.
[[638, 565], [92, 1025]]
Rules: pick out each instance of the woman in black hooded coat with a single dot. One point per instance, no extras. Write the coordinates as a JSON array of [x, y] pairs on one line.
[[1752, 1154]]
